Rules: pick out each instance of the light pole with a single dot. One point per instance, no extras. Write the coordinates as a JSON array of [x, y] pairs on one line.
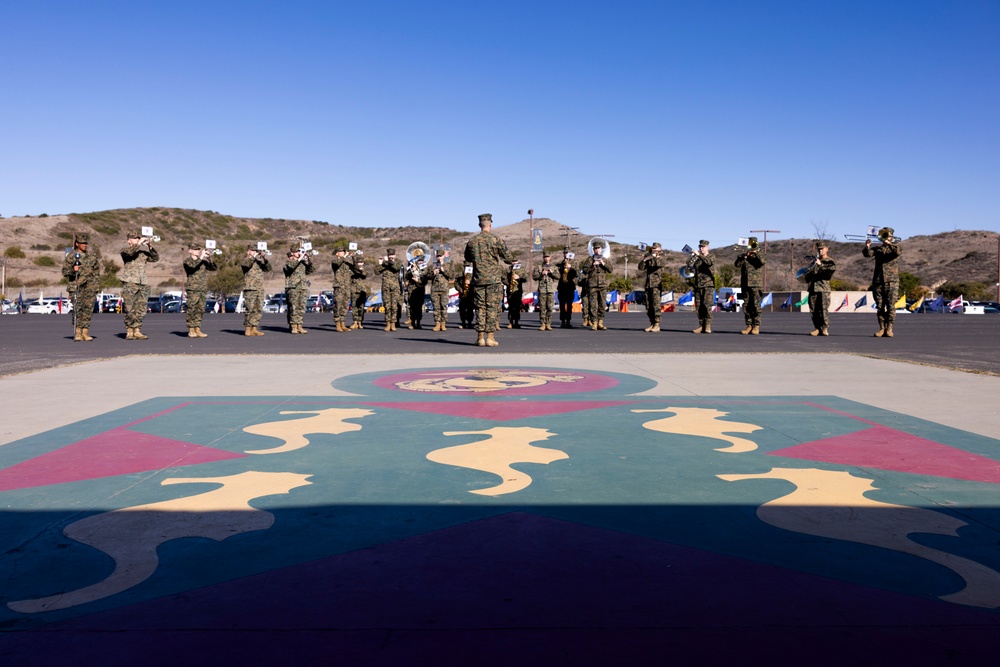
[[765, 233], [531, 242]]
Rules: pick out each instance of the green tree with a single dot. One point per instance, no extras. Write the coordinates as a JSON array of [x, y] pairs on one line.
[[623, 285], [228, 279], [970, 291], [909, 285], [672, 280], [725, 276], [109, 274]]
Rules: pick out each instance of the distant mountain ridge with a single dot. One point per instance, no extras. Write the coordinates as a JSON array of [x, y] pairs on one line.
[[956, 256]]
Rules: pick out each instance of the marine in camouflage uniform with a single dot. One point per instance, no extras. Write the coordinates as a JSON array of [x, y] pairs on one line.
[[390, 267], [485, 251], [818, 276], [653, 264], [885, 280], [514, 282], [547, 277], [343, 270], [704, 287], [196, 267], [417, 276], [441, 282], [566, 289], [751, 264], [297, 267], [596, 271], [136, 253], [82, 269], [254, 266], [359, 291]]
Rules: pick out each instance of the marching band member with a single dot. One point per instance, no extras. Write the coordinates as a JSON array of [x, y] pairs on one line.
[[547, 277], [885, 280], [514, 282], [254, 266], [653, 264], [596, 271], [297, 267], [390, 267], [485, 251], [703, 266], [750, 264], [343, 270], [441, 281], [818, 276], [136, 253], [566, 289], [196, 267], [82, 269]]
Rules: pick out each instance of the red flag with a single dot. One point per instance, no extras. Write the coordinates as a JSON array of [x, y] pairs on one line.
[[841, 305]]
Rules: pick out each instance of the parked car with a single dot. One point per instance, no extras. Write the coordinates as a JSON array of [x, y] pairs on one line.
[[276, 304], [175, 307], [51, 306], [154, 305]]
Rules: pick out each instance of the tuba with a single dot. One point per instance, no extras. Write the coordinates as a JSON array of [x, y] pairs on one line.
[[416, 255], [598, 244], [687, 271]]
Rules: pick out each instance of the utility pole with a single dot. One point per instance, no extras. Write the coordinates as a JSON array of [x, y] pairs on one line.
[[531, 241], [765, 233], [569, 230]]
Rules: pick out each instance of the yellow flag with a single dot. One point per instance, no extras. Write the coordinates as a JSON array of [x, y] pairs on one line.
[[916, 306], [901, 303]]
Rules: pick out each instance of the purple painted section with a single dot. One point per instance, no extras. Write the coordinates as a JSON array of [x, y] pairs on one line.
[[501, 410], [588, 382], [115, 452], [518, 581], [888, 449]]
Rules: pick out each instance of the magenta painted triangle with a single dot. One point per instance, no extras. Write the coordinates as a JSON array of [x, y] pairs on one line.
[[115, 452], [501, 410], [888, 449]]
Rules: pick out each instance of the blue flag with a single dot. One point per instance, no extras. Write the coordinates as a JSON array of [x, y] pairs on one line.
[[788, 302], [861, 302], [687, 298]]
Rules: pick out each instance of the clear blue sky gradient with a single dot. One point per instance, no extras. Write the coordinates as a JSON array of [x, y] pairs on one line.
[[653, 121]]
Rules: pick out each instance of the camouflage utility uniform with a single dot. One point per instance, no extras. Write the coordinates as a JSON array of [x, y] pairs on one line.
[[485, 251], [704, 289], [417, 275], [135, 285], [359, 292], [297, 290], [547, 278], [885, 281], [818, 276], [751, 264], [254, 267], [390, 267], [466, 300], [596, 273], [84, 283], [441, 281], [653, 264], [196, 286], [343, 271]]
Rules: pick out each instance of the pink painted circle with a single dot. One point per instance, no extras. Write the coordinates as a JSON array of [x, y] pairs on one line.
[[497, 382]]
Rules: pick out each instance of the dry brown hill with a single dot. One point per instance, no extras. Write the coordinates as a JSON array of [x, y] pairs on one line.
[[958, 256]]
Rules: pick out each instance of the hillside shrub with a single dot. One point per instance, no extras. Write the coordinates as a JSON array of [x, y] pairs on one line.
[[45, 260], [41, 246], [838, 285], [14, 252], [14, 281], [37, 282]]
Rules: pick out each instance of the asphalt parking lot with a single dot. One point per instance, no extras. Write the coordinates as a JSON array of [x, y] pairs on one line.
[[963, 342]]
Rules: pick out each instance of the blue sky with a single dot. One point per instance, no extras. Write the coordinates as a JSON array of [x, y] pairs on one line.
[[654, 121]]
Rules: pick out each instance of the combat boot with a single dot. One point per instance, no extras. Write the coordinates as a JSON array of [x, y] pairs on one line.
[[541, 327], [388, 326], [257, 332], [648, 329], [824, 332], [248, 331], [707, 329], [700, 329], [85, 333], [656, 328], [138, 335], [302, 330], [129, 333], [191, 333], [393, 326], [881, 329], [814, 332], [437, 326], [756, 330], [200, 334], [491, 341], [600, 326], [77, 335], [481, 339], [444, 326], [888, 331], [746, 330]]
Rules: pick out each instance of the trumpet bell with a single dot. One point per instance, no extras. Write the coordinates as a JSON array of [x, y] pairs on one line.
[[417, 250], [598, 244]]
